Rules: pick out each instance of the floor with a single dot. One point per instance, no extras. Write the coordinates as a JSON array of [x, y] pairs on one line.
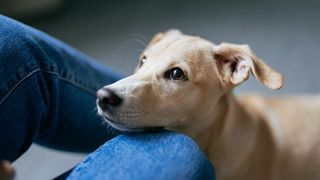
[[283, 33]]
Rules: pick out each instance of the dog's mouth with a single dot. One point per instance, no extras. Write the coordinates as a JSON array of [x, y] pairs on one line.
[[111, 119], [124, 128]]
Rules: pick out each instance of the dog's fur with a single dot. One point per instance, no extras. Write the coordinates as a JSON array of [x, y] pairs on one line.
[[246, 137]]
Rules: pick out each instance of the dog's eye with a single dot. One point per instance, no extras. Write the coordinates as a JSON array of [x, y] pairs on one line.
[[143, 60], [177, 74]]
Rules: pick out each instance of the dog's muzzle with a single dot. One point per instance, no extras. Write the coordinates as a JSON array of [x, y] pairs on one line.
[[107, 99]]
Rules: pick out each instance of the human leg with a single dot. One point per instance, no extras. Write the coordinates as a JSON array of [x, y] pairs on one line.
[[163, 155], [47, 93]]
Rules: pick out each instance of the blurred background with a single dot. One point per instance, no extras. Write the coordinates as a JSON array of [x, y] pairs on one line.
[[286, 34]]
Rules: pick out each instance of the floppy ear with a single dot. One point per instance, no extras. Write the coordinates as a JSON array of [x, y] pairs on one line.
[[156, 38], [159, 36], [235, 62]]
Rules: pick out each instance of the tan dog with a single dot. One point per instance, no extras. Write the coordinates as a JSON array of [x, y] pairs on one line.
[[184, 83]]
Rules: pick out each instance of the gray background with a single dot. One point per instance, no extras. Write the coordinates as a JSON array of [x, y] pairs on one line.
[[283, 33]]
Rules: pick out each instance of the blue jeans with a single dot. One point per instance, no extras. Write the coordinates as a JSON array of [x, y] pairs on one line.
[[47, 96]]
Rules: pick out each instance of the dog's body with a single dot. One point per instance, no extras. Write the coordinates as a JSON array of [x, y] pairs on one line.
[[185, 83], [266, 138]]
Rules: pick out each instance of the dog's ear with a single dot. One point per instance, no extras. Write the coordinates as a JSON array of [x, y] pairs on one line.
[[159, 36], [156, 38], [235, 62]]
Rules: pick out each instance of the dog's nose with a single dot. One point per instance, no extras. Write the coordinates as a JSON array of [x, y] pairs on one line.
[[107, 98]]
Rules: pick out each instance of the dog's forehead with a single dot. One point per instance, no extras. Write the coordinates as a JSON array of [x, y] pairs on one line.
[[180, 46]]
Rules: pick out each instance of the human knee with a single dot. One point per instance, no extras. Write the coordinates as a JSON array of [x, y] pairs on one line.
[[184, 150], [144, 155], [12, 35], [172, 148], [16, 55], [16, 43]]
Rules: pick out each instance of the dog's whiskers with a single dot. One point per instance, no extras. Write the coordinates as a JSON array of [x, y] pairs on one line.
[[141, 36], [139, 42], [139, 50]]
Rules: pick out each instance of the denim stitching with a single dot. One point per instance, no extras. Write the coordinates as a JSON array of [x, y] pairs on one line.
[[54, 69], [90, 89], [16, 85], [85, 89]]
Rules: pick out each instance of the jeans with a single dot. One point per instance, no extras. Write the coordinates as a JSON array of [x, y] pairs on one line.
[[47, 96]]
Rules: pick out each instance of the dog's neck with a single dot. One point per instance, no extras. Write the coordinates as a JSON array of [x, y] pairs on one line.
[[231, 139]]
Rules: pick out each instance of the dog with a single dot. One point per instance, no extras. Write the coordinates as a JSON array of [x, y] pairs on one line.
[[184, 83]]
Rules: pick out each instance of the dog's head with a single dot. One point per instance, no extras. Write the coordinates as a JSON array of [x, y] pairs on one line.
[[178, 81]]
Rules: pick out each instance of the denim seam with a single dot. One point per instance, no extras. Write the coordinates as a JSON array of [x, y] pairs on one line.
[[49, 72], [86, 89], [16, 85]]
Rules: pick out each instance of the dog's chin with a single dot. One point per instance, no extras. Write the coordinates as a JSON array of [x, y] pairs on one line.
[[121, 127], [125, 128]]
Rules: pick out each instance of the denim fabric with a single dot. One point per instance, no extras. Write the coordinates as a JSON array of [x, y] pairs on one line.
[[164, 155], [47, 93], [47, 96]]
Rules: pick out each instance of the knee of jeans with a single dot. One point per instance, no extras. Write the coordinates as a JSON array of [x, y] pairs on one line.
[[16, 41], [181, 147], [17, 57], [167, 140], [176, 155]]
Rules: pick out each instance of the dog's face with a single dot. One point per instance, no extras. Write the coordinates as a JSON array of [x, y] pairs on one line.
[[178, 81]]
